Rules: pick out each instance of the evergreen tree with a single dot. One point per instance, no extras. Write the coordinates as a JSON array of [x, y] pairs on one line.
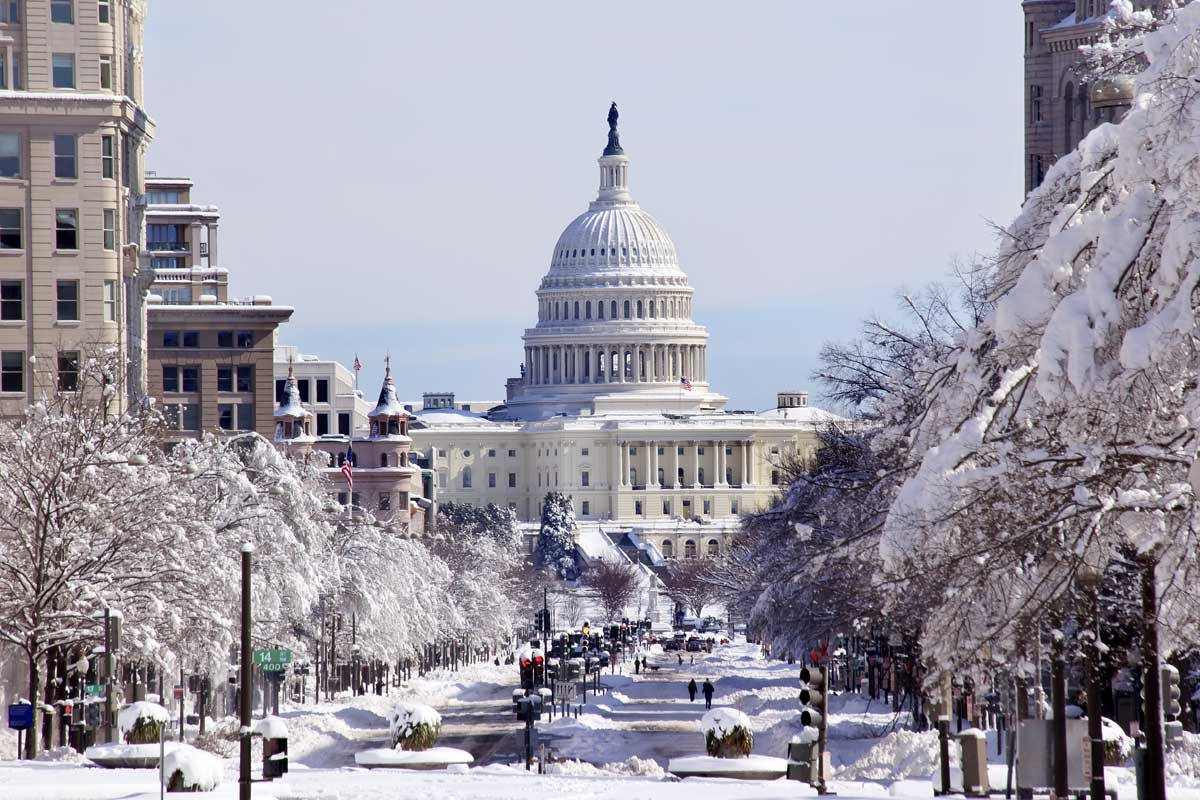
[[556, 539]]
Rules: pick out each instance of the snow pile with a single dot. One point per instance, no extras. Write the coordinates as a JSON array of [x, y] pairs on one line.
[[433, 758], [630, 767], [188, 768], [900, 754], [129, 715], [62, 755], [271, 727], [1183, 762], [721, 722], [414, 726]]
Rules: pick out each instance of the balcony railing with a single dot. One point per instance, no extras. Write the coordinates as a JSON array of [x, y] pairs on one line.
[[169, 247]]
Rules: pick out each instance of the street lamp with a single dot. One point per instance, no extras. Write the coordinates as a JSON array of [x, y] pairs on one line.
[[1090, 577]]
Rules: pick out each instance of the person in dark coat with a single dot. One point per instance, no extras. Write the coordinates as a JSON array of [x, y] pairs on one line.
[[692, 690], [637, 666], [708, 693]]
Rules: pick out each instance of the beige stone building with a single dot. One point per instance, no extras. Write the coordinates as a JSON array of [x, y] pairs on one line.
[[1062, 103], [181, 240], [73, 133]]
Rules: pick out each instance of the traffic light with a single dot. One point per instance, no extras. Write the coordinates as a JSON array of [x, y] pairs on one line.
[[539, 669], [813, 704], [526, 672], [1170, 693]]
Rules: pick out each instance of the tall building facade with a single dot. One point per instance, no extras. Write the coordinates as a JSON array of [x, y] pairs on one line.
[[181, 241], [1062, 102], [613, 406], [73, 135]]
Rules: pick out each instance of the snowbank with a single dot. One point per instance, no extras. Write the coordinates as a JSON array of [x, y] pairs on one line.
[[433, 758], [754, 767], [271, 727], [196, 768], [632, 766], [127, 756], [900, 754]]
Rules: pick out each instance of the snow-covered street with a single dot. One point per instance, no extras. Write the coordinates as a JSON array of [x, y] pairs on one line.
[[617, 748]]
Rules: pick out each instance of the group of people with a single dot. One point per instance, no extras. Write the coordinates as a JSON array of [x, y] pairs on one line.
[[707, 689]]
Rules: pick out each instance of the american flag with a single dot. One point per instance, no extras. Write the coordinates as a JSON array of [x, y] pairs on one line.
[[357, 365], [348, 466], [685, 383]]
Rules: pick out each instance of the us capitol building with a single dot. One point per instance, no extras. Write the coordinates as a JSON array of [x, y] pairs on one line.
[[613, 405]]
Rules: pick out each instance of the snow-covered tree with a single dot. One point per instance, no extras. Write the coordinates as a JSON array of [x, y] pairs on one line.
[[556, 538]]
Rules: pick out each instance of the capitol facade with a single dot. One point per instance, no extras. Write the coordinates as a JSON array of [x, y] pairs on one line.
[[613, 405]]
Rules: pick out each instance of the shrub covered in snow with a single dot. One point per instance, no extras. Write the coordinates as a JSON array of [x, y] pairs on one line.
[[727, 733], [1118, 748], [187, 769], [414, 726], [142, 722]]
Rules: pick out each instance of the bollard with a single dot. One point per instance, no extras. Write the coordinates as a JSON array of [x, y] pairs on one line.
[[1139, 764], [974, 762]]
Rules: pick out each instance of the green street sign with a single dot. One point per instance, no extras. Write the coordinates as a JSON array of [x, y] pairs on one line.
[[272, 660], [93, 690]]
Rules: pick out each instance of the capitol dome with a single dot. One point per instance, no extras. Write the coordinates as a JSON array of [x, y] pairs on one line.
[[614, 328]]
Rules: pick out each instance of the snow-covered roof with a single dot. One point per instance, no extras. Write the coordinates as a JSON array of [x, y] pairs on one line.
[[389, 405], [291, 406], [454, 416], [809, 414]]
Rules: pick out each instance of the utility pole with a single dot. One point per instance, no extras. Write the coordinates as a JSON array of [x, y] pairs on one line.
[[110, 668], [245, 678], [1154, 770]]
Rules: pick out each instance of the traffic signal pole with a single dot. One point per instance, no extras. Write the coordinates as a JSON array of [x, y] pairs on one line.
[[245, 678]]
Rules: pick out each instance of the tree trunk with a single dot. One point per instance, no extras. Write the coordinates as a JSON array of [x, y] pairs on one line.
[[1153, 768], [31, 735]]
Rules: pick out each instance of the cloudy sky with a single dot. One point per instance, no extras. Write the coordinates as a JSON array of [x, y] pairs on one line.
[[399, 172]]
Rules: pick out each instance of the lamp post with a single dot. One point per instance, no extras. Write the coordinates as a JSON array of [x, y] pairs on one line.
[[245, 678], [1090, 577]]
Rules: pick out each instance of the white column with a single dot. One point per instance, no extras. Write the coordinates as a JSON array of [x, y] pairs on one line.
[[653, 477], [721, 464], [10, 69], [744, 446], [194, 233], [615, 471], [749, 481], [212, 244], [625, 465], [695, 463]]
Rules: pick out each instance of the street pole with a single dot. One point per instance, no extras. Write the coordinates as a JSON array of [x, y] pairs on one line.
[[110, 667], [183, 689], [245, 679], [1058, 697], [1154, 770]]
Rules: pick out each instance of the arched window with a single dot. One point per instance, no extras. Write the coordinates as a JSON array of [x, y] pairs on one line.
[[600, 308], [587, 365], [668, 549], [383, 459], [651, 309], [774, 477], [576, 309], [1069, 127], [714, 548], [640, 310], [466, 478], [689, 549], [627, 310], [556, 310], [587, 309], [628, 364], [614, 310]]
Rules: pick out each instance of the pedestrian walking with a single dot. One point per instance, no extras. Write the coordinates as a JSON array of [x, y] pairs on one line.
[[680, 657], [692, 659], [708, 693], [692, 690], [637, 666]]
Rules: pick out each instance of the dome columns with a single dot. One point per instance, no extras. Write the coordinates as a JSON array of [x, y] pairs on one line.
[[579, 364]]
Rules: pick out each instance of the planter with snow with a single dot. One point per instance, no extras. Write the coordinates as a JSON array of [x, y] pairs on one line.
[[414, 730], [188, 769], [141, 724], [728, 738]]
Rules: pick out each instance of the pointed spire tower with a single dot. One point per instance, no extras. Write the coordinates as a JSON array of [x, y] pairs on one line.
[[291, 419], [388, 418]]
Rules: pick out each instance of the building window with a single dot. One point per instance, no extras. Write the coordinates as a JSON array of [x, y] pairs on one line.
[[491, 453], [12, 300], [66, 229], [245, 379], [225, 416], [110, 229], [10, 229], [626, 309], [13, 9], [322, 390], [106, 72], [107, 159], [170, 339], [170, 378], [466, 478], [666, 508], [1037, 171], [774, 477], [225, 379], [733, 507], [700, 476], [302, 387], [245, 416], [689, 549], [714, 548], [512, 480], [668, 549], [104, 12], [343, 498], [584, 479], [491, 480], [63, 70], [62, 11], [245, 339], [385, 501], [700, 451], [583, 451], [637, 508], [110, 301], [707, 507], [225, 339], [322, 424], [513, 453], [587, 508], [65, 148], [12, 371], [68, 371], [191, 338], [68, 301], [344, 425], [10, 155], [678, 451], [1035, 103]]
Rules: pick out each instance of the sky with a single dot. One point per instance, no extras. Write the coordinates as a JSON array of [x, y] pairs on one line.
[[400, 172]]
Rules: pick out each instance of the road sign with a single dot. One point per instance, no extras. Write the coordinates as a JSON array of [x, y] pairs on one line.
[[93, 690], [272, 660], [177, 693], [564, 691], [20, 716]]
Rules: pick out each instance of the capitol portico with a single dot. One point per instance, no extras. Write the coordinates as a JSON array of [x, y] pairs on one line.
[[613, 405]]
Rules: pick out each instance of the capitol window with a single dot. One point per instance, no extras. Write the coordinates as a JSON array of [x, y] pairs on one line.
[[626, 309], [614, 309], [466, 478], [640, 310], [600, 306], [587, 309]]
